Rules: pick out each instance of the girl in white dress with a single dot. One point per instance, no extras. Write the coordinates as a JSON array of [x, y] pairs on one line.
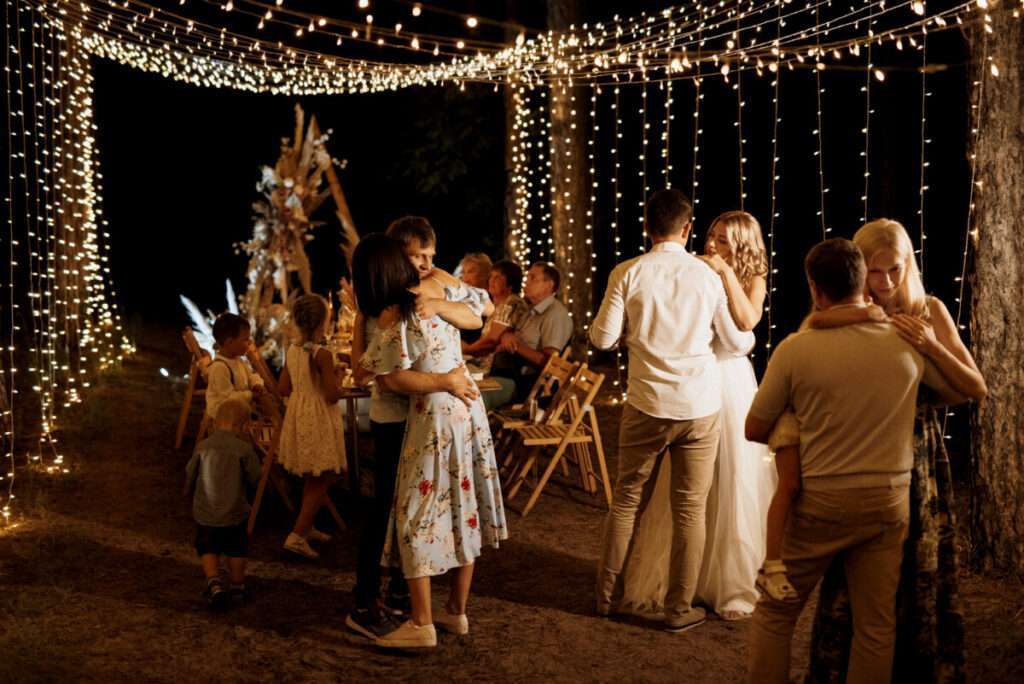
[[312, 437], [744, 476]]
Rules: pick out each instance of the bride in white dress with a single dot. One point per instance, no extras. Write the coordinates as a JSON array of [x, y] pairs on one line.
[[744, 476]]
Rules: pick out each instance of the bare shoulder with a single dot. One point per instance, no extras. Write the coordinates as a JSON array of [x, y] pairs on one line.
[[938, 311], [430, 288], [388, 318], [445, 278]]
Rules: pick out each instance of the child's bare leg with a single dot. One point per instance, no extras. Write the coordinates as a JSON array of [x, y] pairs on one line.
[[211, 565], [787, 463], [237, 568], [314, 492]]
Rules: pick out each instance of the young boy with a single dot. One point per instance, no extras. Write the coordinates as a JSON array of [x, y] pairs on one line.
[[217, 473], [229, 377]]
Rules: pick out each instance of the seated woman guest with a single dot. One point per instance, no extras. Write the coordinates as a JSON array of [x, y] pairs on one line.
[[475, 271], [510, 310], [547, 328]]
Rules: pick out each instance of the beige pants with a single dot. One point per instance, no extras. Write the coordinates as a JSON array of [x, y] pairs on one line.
[[866, 526], [692, 447]]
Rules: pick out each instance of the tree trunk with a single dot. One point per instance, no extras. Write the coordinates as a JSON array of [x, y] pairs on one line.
[[997, 319], [573, 255], [511, 7]]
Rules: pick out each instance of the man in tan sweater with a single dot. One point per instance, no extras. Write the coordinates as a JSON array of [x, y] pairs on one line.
[[854, 392]]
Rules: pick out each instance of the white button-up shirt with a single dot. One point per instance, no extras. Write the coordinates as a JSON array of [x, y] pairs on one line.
[[672, 306]]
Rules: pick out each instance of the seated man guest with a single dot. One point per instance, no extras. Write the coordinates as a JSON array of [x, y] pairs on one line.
[[546, 329]]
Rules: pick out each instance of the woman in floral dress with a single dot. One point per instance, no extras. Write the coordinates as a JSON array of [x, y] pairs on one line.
[[448, 503]]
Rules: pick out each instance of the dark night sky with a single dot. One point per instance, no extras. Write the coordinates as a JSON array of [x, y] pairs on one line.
[[180, 165]]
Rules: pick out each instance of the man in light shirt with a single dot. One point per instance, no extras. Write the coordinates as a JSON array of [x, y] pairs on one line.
[[671, 306]]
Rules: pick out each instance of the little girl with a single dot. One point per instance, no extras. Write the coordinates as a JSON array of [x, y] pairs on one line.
[[312, 437]]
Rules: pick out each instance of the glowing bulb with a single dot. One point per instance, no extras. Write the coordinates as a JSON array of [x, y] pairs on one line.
[[472, 22], [461, 44], [417, 10], [363, 4]]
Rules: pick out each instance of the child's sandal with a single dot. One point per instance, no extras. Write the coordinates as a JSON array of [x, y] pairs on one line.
[[772, 581]]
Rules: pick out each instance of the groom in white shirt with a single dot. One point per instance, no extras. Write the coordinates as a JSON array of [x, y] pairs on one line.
[[671, 306]]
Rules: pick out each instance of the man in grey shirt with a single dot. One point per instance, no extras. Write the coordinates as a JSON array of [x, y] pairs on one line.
[[546, 329], [854, 391]]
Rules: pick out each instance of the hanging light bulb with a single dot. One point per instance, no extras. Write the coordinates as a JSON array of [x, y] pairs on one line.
[[417, 10], [472, 22]]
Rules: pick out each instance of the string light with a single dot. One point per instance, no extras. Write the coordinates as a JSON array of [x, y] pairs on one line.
[[644, 187], [698, 131], [773, 207], [866, 89], [620, 367], [924, 142], [594, 130], [819, 131]]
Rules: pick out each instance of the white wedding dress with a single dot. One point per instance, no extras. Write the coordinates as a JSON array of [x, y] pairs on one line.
[[736, 514]]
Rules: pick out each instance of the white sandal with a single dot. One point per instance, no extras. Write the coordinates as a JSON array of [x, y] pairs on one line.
[[772, 581]]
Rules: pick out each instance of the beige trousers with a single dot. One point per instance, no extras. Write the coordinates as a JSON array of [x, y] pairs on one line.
[[867, 526], [692, 447]]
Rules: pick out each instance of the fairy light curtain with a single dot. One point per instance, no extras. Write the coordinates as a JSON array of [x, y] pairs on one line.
[[60, 320]]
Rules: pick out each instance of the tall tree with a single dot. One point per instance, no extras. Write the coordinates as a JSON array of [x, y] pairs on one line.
[[573, 255], [997, 320]]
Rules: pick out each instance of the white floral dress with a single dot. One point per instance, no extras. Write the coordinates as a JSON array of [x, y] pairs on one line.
[[313, 434], [448, 501]]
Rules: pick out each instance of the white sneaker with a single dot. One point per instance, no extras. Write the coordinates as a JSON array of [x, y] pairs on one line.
[[300, 546], [456, 624], [410, 635], [317, 536]]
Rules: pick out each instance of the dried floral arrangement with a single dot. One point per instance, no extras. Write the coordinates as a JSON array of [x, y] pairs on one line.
[[293, 189]]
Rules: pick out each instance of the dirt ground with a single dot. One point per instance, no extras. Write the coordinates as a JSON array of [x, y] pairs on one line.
[[100, 582]]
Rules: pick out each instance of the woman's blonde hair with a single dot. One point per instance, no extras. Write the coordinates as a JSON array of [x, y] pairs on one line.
[[883, 234], [749, 257]]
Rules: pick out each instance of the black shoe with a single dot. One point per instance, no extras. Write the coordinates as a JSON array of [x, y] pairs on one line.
[[217, 597], [398, 605], [240, 594], [371, 623]]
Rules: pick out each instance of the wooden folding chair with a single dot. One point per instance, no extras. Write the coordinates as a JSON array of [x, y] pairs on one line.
[[555, 376], [565, 431], [196, 387], [266, 435]]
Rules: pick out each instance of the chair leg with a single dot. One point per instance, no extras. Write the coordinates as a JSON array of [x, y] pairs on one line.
[[186, 406], [602, 464], [260, 489], [544, 478], [282, 490], [519, 477], [334, 514]]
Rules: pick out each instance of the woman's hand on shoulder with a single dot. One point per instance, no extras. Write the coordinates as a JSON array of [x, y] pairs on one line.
[[716, 262], [917, 333]]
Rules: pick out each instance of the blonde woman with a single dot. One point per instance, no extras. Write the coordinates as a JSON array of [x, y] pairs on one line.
[[930, 636], [744, 480]]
